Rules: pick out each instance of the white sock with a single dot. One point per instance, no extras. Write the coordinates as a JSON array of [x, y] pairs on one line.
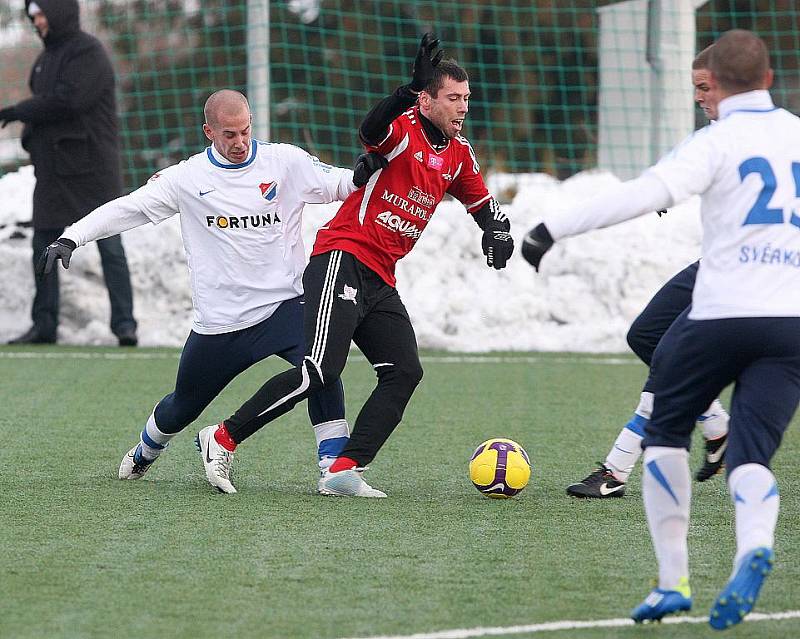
[[331, 438], [714, 421], [624, 454], [152, 440], [667, 492], [755, 497], [628, 446]]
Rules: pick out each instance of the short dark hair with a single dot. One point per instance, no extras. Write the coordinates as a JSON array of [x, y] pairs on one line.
[[701, 59], [739, 61], [447, 68]]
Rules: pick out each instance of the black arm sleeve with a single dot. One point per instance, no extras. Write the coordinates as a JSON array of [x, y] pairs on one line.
[[490, 218], [375, 126]]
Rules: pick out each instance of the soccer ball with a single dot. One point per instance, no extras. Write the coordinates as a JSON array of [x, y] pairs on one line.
[[500, 468]]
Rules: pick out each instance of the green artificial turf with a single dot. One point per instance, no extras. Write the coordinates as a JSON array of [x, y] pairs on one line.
[[86, 555]]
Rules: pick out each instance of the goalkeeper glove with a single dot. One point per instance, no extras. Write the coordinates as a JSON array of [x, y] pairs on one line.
[[366, 165], [61, 249], [535, 244]]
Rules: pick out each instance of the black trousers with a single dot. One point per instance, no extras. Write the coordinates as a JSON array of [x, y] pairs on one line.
[[209, 363], [344, 301], [651, 327], [115, 273], [760, 355]]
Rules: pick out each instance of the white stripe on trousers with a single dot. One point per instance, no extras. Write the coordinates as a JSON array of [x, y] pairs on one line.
[[320, 332], [304, 384], [325, 308]]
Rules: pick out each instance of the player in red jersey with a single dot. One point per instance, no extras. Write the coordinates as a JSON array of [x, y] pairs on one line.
[[350, 283]]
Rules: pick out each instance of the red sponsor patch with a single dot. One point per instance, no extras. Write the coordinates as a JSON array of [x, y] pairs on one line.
[[436, 162]]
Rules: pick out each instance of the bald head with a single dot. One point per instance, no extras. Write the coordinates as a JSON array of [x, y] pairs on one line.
[[224, 104], [228, 124], [739, 62]]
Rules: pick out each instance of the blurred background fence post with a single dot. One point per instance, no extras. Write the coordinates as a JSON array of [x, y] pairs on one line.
[[645, 100], [258, 46]]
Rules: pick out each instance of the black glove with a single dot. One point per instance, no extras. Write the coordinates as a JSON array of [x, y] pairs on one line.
[[496, 242], [9, 114], [497, 246], [425, 62], [366, 165], [61, 249], [535, 244]]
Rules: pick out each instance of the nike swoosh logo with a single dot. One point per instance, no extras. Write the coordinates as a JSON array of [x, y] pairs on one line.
[[202, 193], [208, 459], [501, 486], [606, 490], [714, 457], [530, 241]]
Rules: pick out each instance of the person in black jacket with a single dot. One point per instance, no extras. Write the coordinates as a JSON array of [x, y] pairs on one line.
[[72, 135]]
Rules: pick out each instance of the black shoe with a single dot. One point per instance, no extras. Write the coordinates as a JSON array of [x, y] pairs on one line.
[[714, 458], [599, 485], [33, 336], [127, 337]]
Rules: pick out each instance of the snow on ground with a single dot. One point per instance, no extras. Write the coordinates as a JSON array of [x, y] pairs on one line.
[[589, 289]]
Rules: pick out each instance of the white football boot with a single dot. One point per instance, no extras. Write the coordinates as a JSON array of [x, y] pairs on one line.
[[129, 468], [346, 483], [216, 460]]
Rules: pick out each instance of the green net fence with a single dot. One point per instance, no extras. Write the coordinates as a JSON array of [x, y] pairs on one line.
[[555, 84]]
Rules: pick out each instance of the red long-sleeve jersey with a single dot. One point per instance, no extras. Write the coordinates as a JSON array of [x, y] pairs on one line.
[[380, 223]]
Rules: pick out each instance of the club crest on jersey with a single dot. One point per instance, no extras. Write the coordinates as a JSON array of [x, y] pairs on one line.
[[349, 294], [436, 162], [268, 190]]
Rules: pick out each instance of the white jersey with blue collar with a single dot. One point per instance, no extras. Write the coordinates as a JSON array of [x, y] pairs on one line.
[[241, 226], [746, 169]]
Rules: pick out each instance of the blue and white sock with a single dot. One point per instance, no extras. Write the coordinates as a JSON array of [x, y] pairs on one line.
[[152, 441], [628, 446], [667, 492], [755, 497], [714, 421], [332, 437]]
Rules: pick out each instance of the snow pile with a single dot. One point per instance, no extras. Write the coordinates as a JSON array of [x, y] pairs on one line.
[[589, 290]]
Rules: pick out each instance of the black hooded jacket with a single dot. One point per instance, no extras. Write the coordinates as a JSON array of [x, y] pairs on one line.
[[71, 125]]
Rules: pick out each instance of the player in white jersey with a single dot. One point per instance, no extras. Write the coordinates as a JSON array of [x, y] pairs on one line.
[[743, 326], [648, 336], [240, 203]]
